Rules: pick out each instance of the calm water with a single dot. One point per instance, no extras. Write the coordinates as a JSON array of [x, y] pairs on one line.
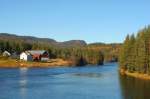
[[102, 82]]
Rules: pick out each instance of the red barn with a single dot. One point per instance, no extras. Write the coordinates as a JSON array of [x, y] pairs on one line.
[[39, 55]]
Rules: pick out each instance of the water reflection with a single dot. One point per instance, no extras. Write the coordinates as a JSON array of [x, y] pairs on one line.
[[133, 88], [100, 82], [90, 75], [23, 82]]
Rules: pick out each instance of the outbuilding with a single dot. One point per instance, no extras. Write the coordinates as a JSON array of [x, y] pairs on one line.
[[6, 53]]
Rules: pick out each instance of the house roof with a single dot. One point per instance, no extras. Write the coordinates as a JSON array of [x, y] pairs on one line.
[[32, 52], [6, 52], [27, 53]]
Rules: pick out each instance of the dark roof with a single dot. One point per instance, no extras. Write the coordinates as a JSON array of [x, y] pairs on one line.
[[32, 52]]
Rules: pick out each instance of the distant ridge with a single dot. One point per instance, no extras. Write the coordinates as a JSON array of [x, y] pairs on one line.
[[49, 41]]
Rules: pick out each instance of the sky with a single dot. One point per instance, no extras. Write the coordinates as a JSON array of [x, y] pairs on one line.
[[107, 21]]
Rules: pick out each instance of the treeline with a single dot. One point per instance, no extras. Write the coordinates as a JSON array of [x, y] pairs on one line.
[[77, 55], [110, 51], [135, 52]]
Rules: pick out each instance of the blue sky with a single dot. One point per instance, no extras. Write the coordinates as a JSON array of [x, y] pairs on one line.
[[90, 20]]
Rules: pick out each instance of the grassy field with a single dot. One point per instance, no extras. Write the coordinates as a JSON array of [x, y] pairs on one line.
[[13, 63]]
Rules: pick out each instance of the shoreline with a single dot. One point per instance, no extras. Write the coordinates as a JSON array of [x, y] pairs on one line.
[[135, 74], [11, 63]]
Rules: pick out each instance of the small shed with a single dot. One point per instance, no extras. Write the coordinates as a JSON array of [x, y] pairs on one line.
[[14, 55], [6, 54]]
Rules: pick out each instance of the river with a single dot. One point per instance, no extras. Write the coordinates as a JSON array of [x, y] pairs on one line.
[[90, 82]]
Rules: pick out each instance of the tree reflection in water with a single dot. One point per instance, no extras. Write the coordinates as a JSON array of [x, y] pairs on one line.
[[133, 88]]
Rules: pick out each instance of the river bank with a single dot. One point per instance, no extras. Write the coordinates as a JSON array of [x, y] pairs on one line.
[[12, 63], [135, 74]]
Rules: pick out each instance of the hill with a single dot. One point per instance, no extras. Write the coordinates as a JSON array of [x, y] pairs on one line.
[[32, 40]]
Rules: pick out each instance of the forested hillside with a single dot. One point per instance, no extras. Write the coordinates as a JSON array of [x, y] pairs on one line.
[[46, 41], [76, 51], [135, 52]]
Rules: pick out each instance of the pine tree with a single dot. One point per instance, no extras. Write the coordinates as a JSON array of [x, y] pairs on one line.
[[124, 54], [131, 54]]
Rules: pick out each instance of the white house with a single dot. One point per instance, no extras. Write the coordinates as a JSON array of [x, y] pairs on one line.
[[26, 56]]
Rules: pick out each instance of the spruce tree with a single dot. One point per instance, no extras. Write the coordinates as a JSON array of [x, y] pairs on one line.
[[124, 54]]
